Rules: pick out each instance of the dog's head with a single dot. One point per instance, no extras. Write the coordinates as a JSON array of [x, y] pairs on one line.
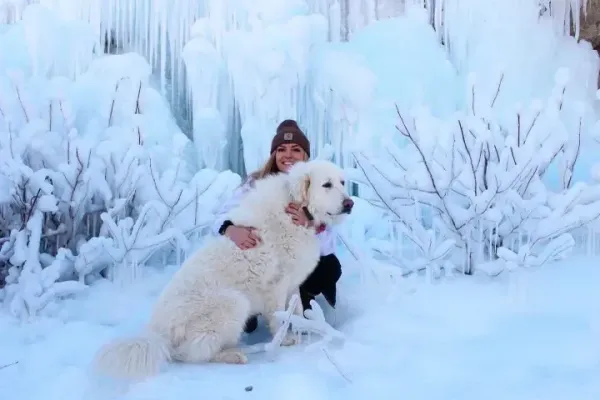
[[320, 186]]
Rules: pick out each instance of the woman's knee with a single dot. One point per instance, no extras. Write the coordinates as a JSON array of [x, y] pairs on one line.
[[332, 267], [327, 272]]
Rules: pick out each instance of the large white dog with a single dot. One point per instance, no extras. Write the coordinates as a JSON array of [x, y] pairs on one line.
[[200, 315]]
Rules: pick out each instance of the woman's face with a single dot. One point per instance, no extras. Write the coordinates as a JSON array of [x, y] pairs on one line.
[[287, 155]]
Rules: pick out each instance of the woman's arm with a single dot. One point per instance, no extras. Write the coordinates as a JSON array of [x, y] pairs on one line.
[[233, 201]]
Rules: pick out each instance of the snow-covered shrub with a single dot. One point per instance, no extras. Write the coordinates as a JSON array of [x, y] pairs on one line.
[[94, 176], [474, 191]]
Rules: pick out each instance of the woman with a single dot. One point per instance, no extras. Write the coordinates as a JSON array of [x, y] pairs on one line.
[[289, 145]]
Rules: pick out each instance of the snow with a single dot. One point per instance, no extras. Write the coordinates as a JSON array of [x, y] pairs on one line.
[[102, 192], [97, 171], [480, 185], [531, 336], [407, 67]]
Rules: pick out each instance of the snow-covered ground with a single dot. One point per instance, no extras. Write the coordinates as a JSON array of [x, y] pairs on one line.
[[98, 181], [535, 337]]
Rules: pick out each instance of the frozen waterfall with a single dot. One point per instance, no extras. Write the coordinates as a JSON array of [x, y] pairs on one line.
[[232, 69]]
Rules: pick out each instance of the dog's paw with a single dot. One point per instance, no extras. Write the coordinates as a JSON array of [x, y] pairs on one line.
[[289, 340], [231, 357]]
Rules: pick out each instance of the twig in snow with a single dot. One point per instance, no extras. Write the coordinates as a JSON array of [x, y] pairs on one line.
[[21, 103], [137, 100], [112, 104], [497, 90], [335, 365], [50, 233], [9, 365]]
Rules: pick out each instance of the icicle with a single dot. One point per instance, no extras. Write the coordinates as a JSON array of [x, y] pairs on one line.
[[163, 50], [490, 245], [160, 29], [497, 236]]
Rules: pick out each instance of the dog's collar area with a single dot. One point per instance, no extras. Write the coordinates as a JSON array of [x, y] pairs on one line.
[[307, 213], [310, 217]]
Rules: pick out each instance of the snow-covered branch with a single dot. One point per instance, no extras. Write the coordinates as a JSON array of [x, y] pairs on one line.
[[474, 189], [88, 188]]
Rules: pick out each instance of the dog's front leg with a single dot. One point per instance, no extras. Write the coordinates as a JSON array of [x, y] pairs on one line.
[[277, 302]]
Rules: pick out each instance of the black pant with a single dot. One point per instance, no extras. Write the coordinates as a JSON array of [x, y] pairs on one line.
[[322, 280]]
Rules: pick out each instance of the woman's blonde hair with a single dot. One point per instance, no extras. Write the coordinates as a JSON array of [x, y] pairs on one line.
[[269, 168]]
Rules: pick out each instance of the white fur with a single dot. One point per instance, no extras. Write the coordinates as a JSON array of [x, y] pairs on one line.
[[200, 315]]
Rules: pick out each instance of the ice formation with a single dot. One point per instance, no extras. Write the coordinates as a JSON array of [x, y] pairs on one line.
[[96, 178], [232, 68]]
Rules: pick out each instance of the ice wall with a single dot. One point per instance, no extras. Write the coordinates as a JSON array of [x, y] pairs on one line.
[[232, 68], [160, 29]]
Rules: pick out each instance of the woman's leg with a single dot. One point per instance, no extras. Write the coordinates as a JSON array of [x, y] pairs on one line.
[[322, 280]]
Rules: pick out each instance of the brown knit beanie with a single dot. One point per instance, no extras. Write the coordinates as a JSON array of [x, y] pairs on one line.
[[288, 131]]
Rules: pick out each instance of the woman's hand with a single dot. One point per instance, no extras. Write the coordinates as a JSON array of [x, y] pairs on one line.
[[298, 215], [244, 237]]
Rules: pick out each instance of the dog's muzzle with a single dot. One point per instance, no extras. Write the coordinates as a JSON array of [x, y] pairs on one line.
[[347, 205]]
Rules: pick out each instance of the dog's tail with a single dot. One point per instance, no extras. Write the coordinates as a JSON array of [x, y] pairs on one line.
[[132, 358]]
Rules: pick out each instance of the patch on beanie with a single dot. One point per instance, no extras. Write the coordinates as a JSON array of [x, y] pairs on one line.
[[288, 136]]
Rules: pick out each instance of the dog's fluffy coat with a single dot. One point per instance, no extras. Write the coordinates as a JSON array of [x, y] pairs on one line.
[[200, 315]]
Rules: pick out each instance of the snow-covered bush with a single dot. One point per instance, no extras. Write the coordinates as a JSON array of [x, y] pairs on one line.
[[95, 177], [474, 191]]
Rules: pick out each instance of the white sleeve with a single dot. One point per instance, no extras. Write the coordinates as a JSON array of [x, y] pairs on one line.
[[233, 201]]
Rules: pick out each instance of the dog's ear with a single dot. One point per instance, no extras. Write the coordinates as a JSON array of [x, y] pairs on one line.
[[299, 179], [304, 190]]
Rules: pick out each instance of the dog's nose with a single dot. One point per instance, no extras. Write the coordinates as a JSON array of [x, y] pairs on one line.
[[347, 205]]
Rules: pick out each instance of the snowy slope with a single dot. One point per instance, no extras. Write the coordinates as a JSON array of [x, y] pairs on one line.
[[532, 338]]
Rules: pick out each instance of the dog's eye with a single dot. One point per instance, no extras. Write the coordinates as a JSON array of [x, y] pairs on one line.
[[327, 185], [343, 182]]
